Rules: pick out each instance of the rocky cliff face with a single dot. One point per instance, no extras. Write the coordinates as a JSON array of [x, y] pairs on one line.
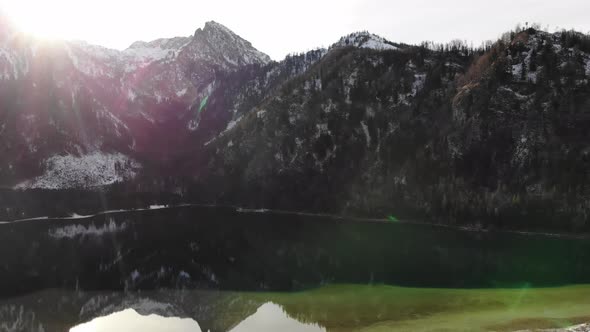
[[491, 136]]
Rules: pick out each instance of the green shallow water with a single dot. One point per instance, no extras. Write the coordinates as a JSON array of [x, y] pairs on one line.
[[333, 308], [340, 308]]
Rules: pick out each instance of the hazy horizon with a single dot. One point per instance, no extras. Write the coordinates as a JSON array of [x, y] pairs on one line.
[[280, 30]]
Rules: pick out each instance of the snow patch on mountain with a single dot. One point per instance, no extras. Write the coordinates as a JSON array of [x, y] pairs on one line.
[[86, 171]]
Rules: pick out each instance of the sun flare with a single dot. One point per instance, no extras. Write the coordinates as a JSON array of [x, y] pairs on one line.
[[43, 19], [103, 22]]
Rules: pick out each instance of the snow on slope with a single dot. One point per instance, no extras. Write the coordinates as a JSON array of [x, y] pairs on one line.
[[91, 170], [139, 54], [96, 60]]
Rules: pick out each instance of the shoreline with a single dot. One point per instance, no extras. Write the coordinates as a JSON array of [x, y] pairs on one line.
[[239, 209]]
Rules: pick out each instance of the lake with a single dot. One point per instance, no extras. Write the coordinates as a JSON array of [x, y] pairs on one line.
[[222, 269]]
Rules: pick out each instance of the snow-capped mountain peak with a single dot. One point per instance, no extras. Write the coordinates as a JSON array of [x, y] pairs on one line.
[[365, 39]]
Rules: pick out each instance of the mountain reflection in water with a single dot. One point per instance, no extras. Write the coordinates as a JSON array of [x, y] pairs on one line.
[[269, 317], [332, 308], [130, 320]]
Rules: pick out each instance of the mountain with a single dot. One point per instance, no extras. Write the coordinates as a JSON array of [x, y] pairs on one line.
[[490, 137], [497, 138], [65, 102]]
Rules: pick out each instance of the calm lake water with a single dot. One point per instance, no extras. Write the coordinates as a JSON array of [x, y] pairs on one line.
[[213, 269]]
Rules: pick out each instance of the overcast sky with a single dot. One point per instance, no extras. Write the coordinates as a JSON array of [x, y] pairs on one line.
[[281, 27]]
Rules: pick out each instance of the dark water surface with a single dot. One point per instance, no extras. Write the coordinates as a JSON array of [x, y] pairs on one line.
[[304, 272]]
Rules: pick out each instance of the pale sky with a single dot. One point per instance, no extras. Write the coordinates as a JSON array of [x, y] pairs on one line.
[[281, 27]]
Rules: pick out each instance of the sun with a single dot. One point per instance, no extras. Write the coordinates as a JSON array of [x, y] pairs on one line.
[[43, 19], [109, 23], [105, 21]]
